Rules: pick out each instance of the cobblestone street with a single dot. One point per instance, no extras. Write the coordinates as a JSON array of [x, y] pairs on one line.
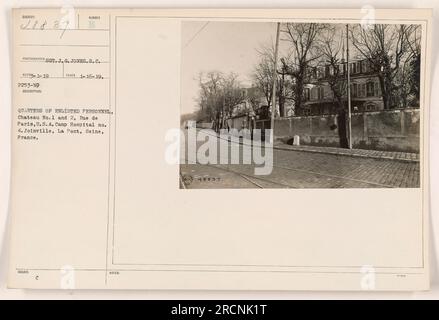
[[302, 169]]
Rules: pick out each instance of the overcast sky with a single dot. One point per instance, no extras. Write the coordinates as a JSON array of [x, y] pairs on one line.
[[221, 46], [225, 47]]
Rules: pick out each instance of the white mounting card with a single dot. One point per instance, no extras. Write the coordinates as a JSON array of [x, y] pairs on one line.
[[143, 154]]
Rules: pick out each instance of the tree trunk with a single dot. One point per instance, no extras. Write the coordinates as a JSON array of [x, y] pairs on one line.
[[298, 92], [384, 92], [341, 119], [282, 97], [342, 131]]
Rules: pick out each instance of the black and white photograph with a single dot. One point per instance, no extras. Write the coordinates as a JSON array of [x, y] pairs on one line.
[[300, 105], [139, 140]]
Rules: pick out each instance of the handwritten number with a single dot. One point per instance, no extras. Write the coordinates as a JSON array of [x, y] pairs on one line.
[[26, 25], [43, 25], [65, 28]]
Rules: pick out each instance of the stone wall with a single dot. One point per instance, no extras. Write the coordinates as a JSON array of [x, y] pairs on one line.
[[392, 130]]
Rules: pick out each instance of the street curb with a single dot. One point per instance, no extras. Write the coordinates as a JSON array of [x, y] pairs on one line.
[[338, 153], [348, 154]]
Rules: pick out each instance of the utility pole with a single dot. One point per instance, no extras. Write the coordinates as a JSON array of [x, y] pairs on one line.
[[348, 89], [273, 95], [224, 109]]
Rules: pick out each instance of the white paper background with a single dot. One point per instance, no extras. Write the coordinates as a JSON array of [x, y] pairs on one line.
[[5, 152]]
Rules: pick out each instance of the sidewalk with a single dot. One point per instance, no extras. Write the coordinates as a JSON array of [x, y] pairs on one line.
[[376, 154]]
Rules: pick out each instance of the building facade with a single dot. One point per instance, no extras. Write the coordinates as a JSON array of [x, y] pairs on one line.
[[364, 83]]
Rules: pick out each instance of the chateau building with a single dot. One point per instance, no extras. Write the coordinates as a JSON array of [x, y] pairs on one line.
[[364, 84]]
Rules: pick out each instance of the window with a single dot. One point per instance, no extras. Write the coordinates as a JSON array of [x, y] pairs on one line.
[[321, 93], [377, 89], [314, 93], [370, 89], [307, 94], [354, 90], [365, 66], [362, 90], [369, 107], [355, 67], [359, 66]]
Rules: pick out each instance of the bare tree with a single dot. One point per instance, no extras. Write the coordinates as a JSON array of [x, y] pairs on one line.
[[254, 97], [218, 95], [305, 50], [414, 60], [331, 44], [263, 73], [387, 48], [332, 56], [208, 98], [285, 86], [263, 77], [231, 93]]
